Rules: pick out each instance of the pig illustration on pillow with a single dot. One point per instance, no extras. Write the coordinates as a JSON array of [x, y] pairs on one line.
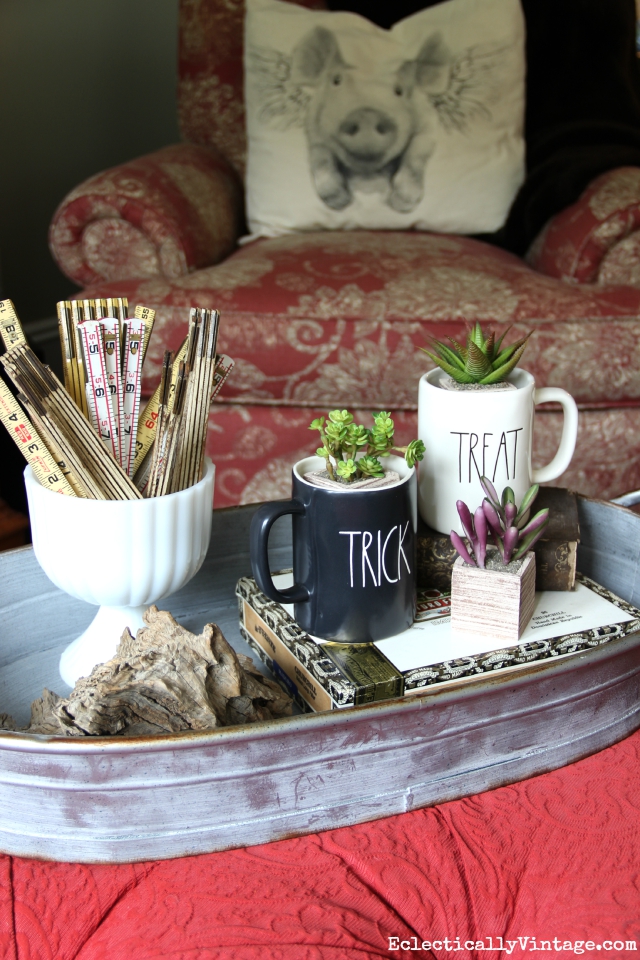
[[372, 130]]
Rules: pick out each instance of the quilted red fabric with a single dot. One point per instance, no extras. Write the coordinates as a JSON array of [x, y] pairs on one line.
[[556, 856]]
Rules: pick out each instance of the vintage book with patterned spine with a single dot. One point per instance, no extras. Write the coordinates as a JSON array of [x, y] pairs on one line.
[[321, 675], [556, 553]]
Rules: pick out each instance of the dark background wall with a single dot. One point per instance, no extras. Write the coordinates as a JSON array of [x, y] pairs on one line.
[[84, 85]]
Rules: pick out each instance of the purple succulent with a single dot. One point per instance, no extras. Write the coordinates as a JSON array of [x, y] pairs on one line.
[[502, 521]]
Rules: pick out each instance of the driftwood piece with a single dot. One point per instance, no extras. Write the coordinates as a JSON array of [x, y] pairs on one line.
[[164, 680]]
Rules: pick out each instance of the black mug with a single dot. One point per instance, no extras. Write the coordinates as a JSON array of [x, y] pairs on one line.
[[354, 555]]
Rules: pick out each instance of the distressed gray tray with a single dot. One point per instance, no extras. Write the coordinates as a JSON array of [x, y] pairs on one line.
[[114, 800]]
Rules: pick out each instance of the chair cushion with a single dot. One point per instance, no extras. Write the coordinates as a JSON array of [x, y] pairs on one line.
[[325, 318]]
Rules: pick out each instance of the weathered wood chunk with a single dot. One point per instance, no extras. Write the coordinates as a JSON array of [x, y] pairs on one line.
[[163, 680]]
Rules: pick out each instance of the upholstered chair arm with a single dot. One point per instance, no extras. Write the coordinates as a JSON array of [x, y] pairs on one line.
[[597, 239], [162, 215]]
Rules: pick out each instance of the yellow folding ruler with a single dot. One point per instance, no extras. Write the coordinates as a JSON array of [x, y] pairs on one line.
[[33, 448], [149, 416], [10, 328]]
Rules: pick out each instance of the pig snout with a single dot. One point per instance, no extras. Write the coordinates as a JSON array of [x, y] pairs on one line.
[[367, 136]]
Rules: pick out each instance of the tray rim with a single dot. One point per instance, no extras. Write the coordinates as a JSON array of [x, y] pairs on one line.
[[460, 689], [467, 688]]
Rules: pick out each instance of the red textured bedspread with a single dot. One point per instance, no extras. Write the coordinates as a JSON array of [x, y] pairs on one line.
[[550, 865]]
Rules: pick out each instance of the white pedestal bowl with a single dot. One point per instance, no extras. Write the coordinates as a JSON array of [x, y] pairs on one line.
[[120, 554]]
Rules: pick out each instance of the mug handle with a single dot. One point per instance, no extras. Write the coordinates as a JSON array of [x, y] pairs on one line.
[[261, 523], [569, 436]]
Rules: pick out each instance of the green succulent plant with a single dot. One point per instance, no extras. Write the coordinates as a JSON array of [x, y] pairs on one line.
[[346, 469], [352, 450], [482, 360], [370, 467]]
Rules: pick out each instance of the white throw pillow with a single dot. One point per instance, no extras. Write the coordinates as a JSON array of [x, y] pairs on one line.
[[351, 126]]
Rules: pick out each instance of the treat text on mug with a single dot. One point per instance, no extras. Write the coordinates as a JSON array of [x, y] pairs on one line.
[[383, 554], [491, 453]]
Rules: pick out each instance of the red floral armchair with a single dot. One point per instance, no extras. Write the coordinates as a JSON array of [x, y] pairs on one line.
[[318, 320]]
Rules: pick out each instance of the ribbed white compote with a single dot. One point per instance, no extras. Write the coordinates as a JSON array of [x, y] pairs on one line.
[[122, 555]]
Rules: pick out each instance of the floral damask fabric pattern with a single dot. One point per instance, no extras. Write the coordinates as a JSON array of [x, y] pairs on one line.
[[210, 75], [164, 214], [254, 448], [552, 856], [320, 319], [621, 263], [575, 244], [326, 319], [363, 303]]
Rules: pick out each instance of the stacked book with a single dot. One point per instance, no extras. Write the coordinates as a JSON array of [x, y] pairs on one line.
[[323, 675]]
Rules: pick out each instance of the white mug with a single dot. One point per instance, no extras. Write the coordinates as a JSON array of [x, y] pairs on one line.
[[469, 434]]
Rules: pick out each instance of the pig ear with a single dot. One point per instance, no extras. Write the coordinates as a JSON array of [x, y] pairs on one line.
[[407, 74], [313, 54], [433, 62]]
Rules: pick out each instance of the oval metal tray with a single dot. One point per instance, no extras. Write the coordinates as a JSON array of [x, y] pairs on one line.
[[119, 800]]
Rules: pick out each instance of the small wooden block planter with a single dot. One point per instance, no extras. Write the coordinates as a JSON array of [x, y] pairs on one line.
[[493, 603]]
